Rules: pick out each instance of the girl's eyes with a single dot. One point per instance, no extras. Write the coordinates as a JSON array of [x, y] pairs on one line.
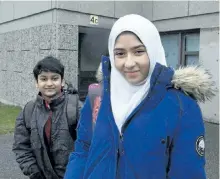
[[136, 52], [119, 53], [139, 52]]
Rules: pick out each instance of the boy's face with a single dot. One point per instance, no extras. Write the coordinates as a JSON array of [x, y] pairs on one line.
[[49, 84]]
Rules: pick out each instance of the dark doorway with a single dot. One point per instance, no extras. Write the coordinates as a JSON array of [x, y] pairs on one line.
[[93, 43]]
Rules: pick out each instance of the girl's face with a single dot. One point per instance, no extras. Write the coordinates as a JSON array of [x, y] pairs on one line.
[[131, 58]]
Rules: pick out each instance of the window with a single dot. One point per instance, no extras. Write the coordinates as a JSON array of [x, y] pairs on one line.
[[181, 48], [191, 49], [171, 44]]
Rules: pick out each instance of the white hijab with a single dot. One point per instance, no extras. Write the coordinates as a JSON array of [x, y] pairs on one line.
[[124, 96]]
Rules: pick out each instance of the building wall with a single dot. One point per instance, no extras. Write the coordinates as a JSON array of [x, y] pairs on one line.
[[20, 50], [209, 58], [153, 10], [11, 10]]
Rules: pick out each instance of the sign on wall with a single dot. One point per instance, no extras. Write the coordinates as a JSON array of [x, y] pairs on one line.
[[94, 20]]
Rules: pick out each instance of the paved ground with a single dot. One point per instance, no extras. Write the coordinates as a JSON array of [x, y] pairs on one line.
[[9, 168], [212, 151]]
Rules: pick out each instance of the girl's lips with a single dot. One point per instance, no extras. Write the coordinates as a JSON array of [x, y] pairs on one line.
[[131, 71], [132, 74]]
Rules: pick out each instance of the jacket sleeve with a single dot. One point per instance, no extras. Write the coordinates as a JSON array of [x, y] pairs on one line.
[[23, 151], [78, 158], [187, 156]]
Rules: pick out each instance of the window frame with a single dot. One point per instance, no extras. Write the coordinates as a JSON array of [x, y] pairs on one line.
[[182, 44]]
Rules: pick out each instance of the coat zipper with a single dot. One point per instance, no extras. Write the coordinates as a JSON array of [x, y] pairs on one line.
[[135, 111]]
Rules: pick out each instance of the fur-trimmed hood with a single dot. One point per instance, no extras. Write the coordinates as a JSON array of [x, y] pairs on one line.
[[192, 80]]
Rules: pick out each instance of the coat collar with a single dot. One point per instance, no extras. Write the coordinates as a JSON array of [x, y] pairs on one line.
[[54, 102]]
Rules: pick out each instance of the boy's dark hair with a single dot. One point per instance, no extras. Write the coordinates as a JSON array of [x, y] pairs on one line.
[[48, 64]]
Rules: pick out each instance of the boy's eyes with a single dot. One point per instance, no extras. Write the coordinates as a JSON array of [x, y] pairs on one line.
[[54, 79], [43, 79]]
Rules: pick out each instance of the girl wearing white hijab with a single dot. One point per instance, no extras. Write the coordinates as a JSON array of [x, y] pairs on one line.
[[149, 124], [151, 52]]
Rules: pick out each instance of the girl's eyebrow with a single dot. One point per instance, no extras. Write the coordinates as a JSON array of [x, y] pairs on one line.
[[133, 48], [138, 46], [118, 49]]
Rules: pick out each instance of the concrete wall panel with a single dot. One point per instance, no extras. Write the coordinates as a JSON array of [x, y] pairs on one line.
[[202, 7], [104, 8], [147, 8], [67, 37], [169, 9], [128, 7], [6, 11], [186, 23], [26, 8], [209, 58], [75, 18], [70, 61], [32, 21]]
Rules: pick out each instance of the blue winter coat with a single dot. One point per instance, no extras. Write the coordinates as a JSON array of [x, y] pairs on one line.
[[159, 140]]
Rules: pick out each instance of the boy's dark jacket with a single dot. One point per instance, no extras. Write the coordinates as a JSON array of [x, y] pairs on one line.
[[35, 158]]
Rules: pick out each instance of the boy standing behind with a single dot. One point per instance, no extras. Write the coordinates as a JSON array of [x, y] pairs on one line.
[[45, 129]]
